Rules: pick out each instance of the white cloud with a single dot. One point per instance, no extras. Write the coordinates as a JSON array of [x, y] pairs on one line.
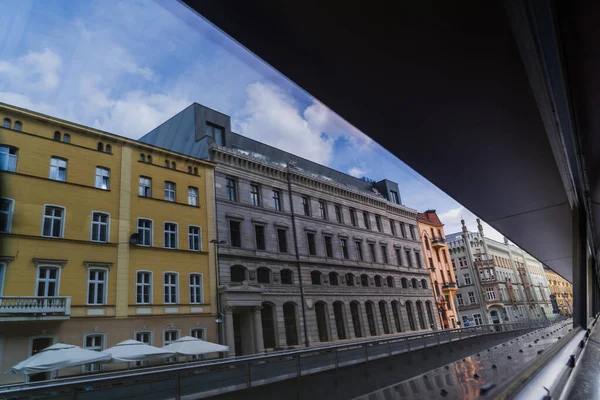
[[357, 172], [35, 71], [452, 223]]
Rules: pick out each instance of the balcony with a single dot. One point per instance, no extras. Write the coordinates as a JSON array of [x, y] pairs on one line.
[[449, 286], [25, 308], [438, 242]]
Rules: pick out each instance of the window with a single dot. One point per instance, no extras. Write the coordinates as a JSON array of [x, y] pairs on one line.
[[359, 253], [372, 252], [6, 213], [53, 225], [102, 178], [100, 147], [366, 220], [194, 238], [145, 186], [311, 244], [491, 294], [282, 240], [328, 246], [195, 170], [235, 234], [364, 280], [94, 343], [384, 254], [477, 319], [171, 290], [237, 273], [142, 155], [315, 277], [192, 196], [66, 137], [338, 214], [460, 300], [402, 229], [286, 277], [198, 333], [96, 287], [8, 158], [58, 169], [57, 136], [305, 205], [404, 283], [6, 123], [389, 281], [231, 192], [277, 200], [149, 159], [384, 316], [344, 247], [170, 235], [254, 195], [393, 227], [394, 197], [398, 257], [173, 165], [47, 282], [169, 191], [353, 217], [377, 281], [259, 235], [144, 337], [215, 132], [378, 223], [143, 287], [333, 279], [408, 258], [168, 164], [108, 149], [349, 279], [169, 337], [323, 209], [414, 284], [418, 258], [412, 232], [196, 292], [467, 279], [100, 225], [471, 297], [424, 283], [144, 230]]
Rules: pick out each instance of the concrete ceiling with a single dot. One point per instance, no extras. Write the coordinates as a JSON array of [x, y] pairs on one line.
[[441, 85]]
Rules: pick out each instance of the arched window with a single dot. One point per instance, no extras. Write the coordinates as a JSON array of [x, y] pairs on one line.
[[409, 314], [414, 283], [420, 314], [263, 275], [364, 280], [396, 312], [340, 319], [377, 281], [108, 149], [384, 316], [142, 156], [424, 283], [289, 319], [286, 277], [333, 279], [349, 279], [389, 281], [8, 158], [173, 165], [371, 318], [315, 277], [189, 169], [321, 316], [238, 273], [427, 243], [355, 311], [57, 136], [195, 170], [6, 123], [429, 313], [149, 159], [404, 283], [167, 164], [18, 126], [267, 317]]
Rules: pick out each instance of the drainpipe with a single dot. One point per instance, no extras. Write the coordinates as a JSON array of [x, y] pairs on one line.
[[289, 182]]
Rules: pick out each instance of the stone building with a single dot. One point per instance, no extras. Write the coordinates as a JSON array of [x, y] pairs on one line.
[[498, 282], [307, 254]]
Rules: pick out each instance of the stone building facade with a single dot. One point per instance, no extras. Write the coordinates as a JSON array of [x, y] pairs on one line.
[[561, 293]]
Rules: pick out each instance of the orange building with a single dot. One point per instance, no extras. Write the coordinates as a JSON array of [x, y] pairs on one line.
[[443, 281]]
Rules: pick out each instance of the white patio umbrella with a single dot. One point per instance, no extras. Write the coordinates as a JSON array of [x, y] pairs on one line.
[[191, 346], [132, 350], [57, 357]]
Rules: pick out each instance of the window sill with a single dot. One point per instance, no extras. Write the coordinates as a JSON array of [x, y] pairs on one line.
[[173, 250], [54, 180], [58, 239], [167, 201]]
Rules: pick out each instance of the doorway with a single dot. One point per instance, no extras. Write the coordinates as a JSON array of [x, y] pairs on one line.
[[37, 345], [237, 333]]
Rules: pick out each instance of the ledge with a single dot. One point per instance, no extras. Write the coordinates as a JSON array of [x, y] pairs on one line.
[[167, 201]]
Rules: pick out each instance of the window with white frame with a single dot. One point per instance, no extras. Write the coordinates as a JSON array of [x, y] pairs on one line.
[[53, 221], [169, 191], [8, 158], [96, 286], [102, 178], [58, 169], [192, 196], [477, 319], [460, 300], [145, 186], [144, 229], [6, 213], [491, 294], [47, 281], [471, 297], [100, 224], [146, 338], [170, 235], [93, 342], [198, 333], [171, 289], [169, 337], [196, 293], [467, 279], [143, 287], [194, 238]]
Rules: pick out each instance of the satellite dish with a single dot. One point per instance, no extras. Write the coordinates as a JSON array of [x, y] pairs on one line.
[[136, 239]]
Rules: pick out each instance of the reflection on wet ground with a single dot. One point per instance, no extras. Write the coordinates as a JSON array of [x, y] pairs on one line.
[[468, 378]]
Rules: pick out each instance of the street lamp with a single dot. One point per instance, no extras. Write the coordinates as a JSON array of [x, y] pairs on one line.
[[220, 315]]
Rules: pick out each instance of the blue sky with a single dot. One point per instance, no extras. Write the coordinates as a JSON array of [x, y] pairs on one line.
[[129, 67]]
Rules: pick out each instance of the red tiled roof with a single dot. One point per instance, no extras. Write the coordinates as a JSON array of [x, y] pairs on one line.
[[430, 217]]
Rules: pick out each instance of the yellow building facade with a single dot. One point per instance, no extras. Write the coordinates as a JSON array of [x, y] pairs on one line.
[[103, 239], [561, 290]]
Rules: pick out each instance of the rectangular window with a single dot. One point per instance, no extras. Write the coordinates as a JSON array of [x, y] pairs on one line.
[[235, 234], [353, 217], [53, 221], [378, 223], [459, 299], [94, 343], [328, 246], [491, 294], [47, 282], [312, 250], [306, 205], [6, 213], [477, 319], [96, 287], [8, 158], [144, 337], [255, 195], [384, 254], [471, 297], [323, 209], [144, 230], [359, 253], [338, 214], [196, 296], [366, 220], [194, 238], [403, 229], [192, 196], [170, 235], [398, 257], [372, 252], [393, 227], [100, 223], [231, 190], [344, 247], [169, 191], [171, 290], [143, 287], [215, 132], [277, 200], [259, 234], [169, 337], [412, 232], [58, 169], [102, 178], [408, 258], [394, 197], [467, 279], [282, 240], [145, 186], [418, 258]]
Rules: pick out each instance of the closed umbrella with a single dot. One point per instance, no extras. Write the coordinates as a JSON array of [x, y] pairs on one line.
[[132, 350], [191, 346], [57, 357]]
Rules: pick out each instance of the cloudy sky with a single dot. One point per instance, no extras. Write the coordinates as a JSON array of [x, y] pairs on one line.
[[129, 67]]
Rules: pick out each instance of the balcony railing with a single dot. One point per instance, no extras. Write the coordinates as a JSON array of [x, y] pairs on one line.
[[438, 241], [26, 307]]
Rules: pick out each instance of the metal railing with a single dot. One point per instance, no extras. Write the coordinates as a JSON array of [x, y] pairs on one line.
[[208, 378], [27, 305]]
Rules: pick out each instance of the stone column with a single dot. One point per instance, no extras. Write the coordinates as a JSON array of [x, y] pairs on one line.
[[280, 322], [349, 322], [229, 330], [259, 346]]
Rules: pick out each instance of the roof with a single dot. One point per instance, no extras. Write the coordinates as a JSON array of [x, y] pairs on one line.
[[430, 217], [453, 236]]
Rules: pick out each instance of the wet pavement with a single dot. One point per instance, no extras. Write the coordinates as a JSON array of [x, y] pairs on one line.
[[468, 378]]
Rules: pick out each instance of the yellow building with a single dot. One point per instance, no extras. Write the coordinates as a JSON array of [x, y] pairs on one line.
[[103, 239], [443, 281], [561, 290]]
